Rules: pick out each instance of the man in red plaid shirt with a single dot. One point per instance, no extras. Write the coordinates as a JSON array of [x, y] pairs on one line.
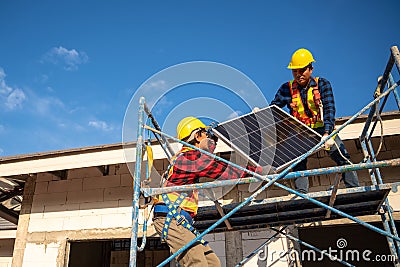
[[187, 167]]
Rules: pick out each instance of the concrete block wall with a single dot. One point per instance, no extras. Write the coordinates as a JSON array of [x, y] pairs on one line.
[[273, 253], [217, 243], [86, 200], [87, 205]]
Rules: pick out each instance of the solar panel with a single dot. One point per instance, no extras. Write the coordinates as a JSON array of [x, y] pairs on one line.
[[269, 136]]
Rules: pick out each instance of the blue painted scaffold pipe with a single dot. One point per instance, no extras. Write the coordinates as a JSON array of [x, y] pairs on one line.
[[136, 185], [396, 94], [283, 174], [346, 168], [264, 245]]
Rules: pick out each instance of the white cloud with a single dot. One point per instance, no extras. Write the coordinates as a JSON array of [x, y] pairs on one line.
[[15, 99], [156, 85], [46, 105], [161, 104], [2, 128], [1, 151], [101, 125], [70, 59], [4, 88], [11, 97], [234, 114]]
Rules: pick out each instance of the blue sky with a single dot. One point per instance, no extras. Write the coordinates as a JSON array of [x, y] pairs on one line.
[[68, 69]]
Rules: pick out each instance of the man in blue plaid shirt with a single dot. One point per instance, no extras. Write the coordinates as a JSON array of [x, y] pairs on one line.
[[311, 101]]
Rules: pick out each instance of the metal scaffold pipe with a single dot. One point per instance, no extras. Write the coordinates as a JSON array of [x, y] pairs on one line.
[[291, 175], [136, 185], [283, 174]]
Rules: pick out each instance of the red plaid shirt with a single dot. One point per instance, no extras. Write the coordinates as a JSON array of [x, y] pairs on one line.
[[192, 165]]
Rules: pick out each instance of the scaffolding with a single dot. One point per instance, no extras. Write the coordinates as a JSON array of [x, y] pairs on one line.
[[373, 197]]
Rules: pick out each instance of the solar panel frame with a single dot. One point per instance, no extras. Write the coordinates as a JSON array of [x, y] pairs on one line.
[[282, 137]]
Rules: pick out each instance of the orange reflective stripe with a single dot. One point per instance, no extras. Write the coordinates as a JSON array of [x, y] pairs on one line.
[[190, 203], [313, 100]]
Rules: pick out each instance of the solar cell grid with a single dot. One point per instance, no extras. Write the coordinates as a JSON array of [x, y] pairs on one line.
[[269, 136]]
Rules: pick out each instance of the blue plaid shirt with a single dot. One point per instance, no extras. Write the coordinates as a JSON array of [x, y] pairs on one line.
[[284, 98]]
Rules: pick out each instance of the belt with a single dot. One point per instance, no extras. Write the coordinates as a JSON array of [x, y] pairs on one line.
[[160, 210]]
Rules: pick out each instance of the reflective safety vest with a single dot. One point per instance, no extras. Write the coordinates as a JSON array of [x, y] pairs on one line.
[[314, 104], [190, 203]]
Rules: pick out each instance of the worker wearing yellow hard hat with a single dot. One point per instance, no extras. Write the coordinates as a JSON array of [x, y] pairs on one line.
[[174, 212], [310, 100], [187, 125], [300, 59]]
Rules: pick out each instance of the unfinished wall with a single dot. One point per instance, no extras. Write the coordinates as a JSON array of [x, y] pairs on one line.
[[89, 205], [276, 251], [86, 205]]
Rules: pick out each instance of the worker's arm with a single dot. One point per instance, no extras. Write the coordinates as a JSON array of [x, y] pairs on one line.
[[192, 165], [282, 96], [215, 169], [328, 103]]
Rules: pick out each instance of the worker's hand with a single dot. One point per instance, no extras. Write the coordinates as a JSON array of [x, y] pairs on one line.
[[207, 144], [328, 143]]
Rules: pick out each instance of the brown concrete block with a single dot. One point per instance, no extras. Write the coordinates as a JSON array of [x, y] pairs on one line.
[[396, 154], [321, 153], [326, 162], [85, 196], [243, 187], [41, 187], [75, 185], [385, 155], [159, 164], [350, 146], [37, 208], [57, 186], [61, 207], [318, 188], [44, 177], [98, 205], [276, 193], [356, 158], [376, 142], [155, 179], [262, 195], [390, 174], [123, 169], [101, 182], [324, 180], [84, 172], [126, 179], [313, 163], [50, 198], [118, 193], [314, 181], [392, 142]]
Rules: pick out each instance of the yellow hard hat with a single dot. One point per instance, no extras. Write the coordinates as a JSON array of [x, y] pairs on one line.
[[187, 125], [300, 59]]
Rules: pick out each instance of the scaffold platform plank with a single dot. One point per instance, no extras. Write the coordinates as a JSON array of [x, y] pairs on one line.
[[290, 209]]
